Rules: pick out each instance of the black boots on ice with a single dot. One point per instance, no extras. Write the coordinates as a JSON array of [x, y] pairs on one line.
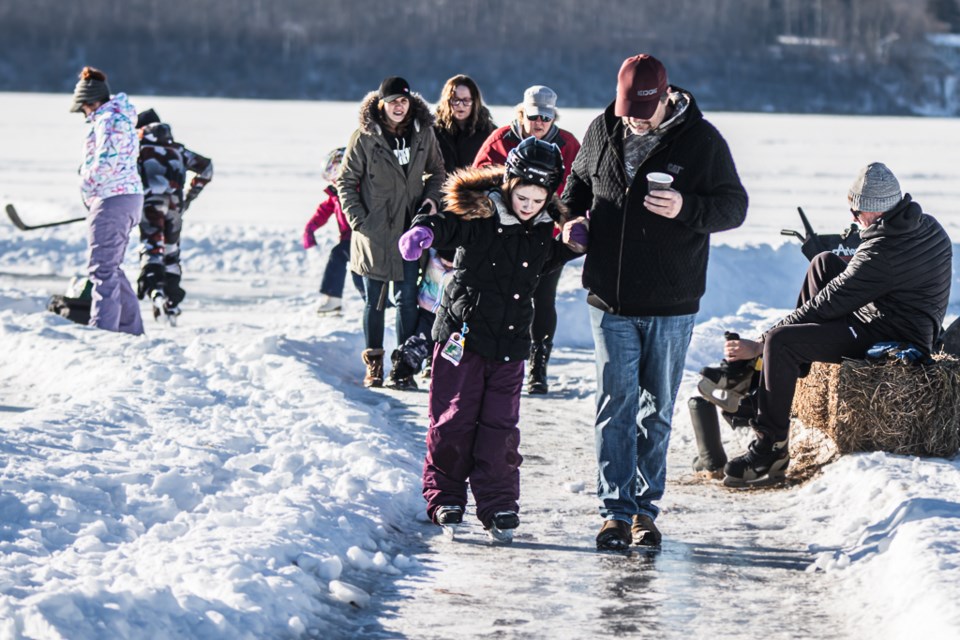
[[537, 365]]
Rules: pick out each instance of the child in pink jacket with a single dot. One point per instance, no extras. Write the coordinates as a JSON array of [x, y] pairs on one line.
[[331, 287]]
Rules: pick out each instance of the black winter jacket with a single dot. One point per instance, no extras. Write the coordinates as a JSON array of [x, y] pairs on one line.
[[897, 285], [498, 263], [639, 263], [459, 148]]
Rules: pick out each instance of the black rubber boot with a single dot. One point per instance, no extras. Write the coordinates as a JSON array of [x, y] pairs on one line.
[[539, 357], [706, 427]]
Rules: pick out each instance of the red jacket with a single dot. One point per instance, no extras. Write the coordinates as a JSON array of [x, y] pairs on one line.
[[498, 145], [327, 208]]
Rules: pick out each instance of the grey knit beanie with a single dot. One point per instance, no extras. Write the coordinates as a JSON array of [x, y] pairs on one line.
[[875, 189], [92, 87]]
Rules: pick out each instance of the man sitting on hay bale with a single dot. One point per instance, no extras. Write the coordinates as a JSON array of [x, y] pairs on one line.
[[895, 288]]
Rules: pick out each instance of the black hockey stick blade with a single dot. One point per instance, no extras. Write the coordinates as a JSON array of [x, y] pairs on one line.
[[19, 224]]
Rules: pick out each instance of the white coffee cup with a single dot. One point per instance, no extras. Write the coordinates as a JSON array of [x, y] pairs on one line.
[[657, 181]]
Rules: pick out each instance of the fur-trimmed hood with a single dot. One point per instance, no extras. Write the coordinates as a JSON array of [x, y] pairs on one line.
[[371, 120], [467, 193]]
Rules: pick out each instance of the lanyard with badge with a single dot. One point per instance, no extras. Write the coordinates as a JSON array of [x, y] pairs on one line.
[[453, 350]]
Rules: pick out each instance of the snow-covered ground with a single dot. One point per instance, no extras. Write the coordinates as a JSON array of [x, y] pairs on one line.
[[229, 478]]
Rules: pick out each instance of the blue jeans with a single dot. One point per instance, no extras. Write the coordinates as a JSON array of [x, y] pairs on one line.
[[336, 272], [639, 367], [405, 297]]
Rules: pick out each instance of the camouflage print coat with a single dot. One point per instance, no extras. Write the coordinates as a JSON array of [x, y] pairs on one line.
[[164, 165], [378, 195]]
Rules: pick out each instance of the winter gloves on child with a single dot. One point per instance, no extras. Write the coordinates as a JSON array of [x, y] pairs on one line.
[[413, 242]]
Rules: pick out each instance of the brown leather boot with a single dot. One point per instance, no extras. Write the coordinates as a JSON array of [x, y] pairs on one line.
[[645, 533], [373, 358]]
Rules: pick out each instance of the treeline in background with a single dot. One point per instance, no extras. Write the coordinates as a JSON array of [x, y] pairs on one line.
[[818, 56]]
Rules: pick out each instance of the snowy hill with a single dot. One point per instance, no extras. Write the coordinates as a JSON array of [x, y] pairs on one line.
[[229, 478]]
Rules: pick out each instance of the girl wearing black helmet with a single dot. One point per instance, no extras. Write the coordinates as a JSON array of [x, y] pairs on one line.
[[500, 219]]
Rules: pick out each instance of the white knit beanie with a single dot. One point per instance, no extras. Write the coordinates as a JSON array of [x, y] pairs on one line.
[[875, 189]]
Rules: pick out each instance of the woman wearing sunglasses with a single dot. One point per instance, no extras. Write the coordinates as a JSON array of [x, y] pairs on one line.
[[463, 122], [536, 116]]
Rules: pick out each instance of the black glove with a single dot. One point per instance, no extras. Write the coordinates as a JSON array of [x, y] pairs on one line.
[[151, 279]]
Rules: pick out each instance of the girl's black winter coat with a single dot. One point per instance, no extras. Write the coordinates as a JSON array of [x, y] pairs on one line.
[[498, 263]]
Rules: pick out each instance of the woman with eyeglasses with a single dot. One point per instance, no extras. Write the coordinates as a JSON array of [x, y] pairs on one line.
[[463, 122], [537, 117]]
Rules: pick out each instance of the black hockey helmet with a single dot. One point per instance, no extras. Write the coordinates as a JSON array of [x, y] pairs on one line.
[[147, 117], [536, 162], [157, 133]]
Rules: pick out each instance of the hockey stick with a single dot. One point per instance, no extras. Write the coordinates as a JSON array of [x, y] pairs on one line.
[[19, 224]]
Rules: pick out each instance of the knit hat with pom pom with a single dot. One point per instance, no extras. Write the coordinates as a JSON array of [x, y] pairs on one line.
[[91, 88]]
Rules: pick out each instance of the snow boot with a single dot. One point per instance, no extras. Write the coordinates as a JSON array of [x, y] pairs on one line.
[[373, 358], [329, 305], [539, 357], [764, 462], [728, 384], [614, 535], [706, 428], [407, 360], [400, 382], [502, 524], [644, 532]]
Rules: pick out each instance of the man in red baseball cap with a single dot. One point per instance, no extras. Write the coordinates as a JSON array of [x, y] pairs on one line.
[[641, 87], [645, 272]]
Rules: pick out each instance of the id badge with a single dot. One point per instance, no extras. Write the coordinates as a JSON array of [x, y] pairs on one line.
[[453, 349]]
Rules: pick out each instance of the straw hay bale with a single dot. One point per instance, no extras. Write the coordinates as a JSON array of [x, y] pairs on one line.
[[865, 406]]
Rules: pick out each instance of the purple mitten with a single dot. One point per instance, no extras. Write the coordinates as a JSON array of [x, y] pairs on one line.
[[579, 234], [413, 242]]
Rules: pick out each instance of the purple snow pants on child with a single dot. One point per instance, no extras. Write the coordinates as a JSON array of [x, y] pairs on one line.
[[115, 306], [474, 411]]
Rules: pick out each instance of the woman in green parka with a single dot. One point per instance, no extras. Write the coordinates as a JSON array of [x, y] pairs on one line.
[[392, 168]]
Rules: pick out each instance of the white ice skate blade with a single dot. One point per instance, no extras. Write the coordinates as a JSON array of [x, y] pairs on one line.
[[449, 532], [500, 536]]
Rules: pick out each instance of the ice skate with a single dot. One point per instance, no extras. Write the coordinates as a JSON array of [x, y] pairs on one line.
[[449, 517], [764, 463], [329, 306], [501, 527], [171, 313], [729, 383]]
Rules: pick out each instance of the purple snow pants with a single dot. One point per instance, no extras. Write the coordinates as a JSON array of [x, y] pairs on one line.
[[115, 306], [474, 411]]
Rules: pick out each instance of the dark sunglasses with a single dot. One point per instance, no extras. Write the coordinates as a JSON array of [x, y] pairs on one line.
[[461, 101], [540, 118], [856, 214]]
